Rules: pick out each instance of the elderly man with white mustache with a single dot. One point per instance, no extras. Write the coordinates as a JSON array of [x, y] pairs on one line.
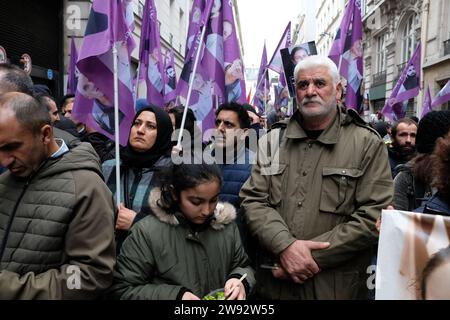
[[312, 201]]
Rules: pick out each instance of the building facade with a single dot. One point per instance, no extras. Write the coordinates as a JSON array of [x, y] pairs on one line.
[[392, 31], [305, 28], [436, 51], [328, 19]]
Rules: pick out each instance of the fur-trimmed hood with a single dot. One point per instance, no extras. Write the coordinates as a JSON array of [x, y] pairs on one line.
[[224, 214]]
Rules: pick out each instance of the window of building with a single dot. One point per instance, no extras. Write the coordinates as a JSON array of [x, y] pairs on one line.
[[181, 34], [381, 53], [363, 7], [411, 108], [408, 39], [445, 106]]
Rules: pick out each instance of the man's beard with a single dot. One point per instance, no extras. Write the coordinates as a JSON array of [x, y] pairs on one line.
[[407, 151]]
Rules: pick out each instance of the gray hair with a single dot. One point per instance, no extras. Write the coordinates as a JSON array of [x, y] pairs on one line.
[[315, 61]]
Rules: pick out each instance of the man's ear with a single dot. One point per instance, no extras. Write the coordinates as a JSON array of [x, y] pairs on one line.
[[339, 92], [47, 134]]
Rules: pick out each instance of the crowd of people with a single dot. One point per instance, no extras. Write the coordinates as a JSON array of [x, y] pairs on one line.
[[289, 210]]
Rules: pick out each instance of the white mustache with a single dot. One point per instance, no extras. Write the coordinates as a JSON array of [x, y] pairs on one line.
[[306, 101]]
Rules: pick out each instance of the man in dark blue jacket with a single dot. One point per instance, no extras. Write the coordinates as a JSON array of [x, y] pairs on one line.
[[235, 160], [230, 153]]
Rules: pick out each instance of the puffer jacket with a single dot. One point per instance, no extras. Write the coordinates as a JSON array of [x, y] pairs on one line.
[[163, 257], [55, 225], [234, 176]]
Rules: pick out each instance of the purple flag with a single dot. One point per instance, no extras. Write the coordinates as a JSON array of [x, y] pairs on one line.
[[407, 87], [201, 100], [129, 17], [219, 76], [170, 77], [262, 85], [72, 78], [426, 103], [151, 63], [347, 54], [95, 90], [199, 15], [233, 64], [443, 96], [276, 63]]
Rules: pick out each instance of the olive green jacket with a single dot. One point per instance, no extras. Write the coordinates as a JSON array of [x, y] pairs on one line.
[[163, 256], [57, 230], [331, 189]]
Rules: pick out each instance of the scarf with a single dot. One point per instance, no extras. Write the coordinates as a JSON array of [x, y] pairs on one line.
[[162, 146]]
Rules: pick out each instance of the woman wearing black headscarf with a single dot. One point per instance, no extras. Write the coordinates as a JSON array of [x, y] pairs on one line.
[[148, 150]]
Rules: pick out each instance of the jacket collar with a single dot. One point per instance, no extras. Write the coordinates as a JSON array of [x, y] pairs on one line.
[[329, 136], [224, 214]]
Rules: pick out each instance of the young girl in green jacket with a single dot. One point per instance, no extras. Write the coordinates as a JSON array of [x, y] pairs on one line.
[[188, 247]]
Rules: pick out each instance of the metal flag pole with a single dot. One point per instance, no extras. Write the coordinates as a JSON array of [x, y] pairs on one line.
[[137, 85], [265, 94], [191, 82], [116, 124]]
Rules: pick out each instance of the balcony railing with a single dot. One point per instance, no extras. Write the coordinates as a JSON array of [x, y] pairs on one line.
[[446, 47], [379, 78]]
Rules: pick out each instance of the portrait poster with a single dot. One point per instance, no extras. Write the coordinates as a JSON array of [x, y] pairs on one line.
[[413, 257], [293, 55]]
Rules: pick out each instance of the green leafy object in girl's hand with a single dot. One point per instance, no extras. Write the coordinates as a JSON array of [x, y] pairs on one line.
[[215, 295]]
